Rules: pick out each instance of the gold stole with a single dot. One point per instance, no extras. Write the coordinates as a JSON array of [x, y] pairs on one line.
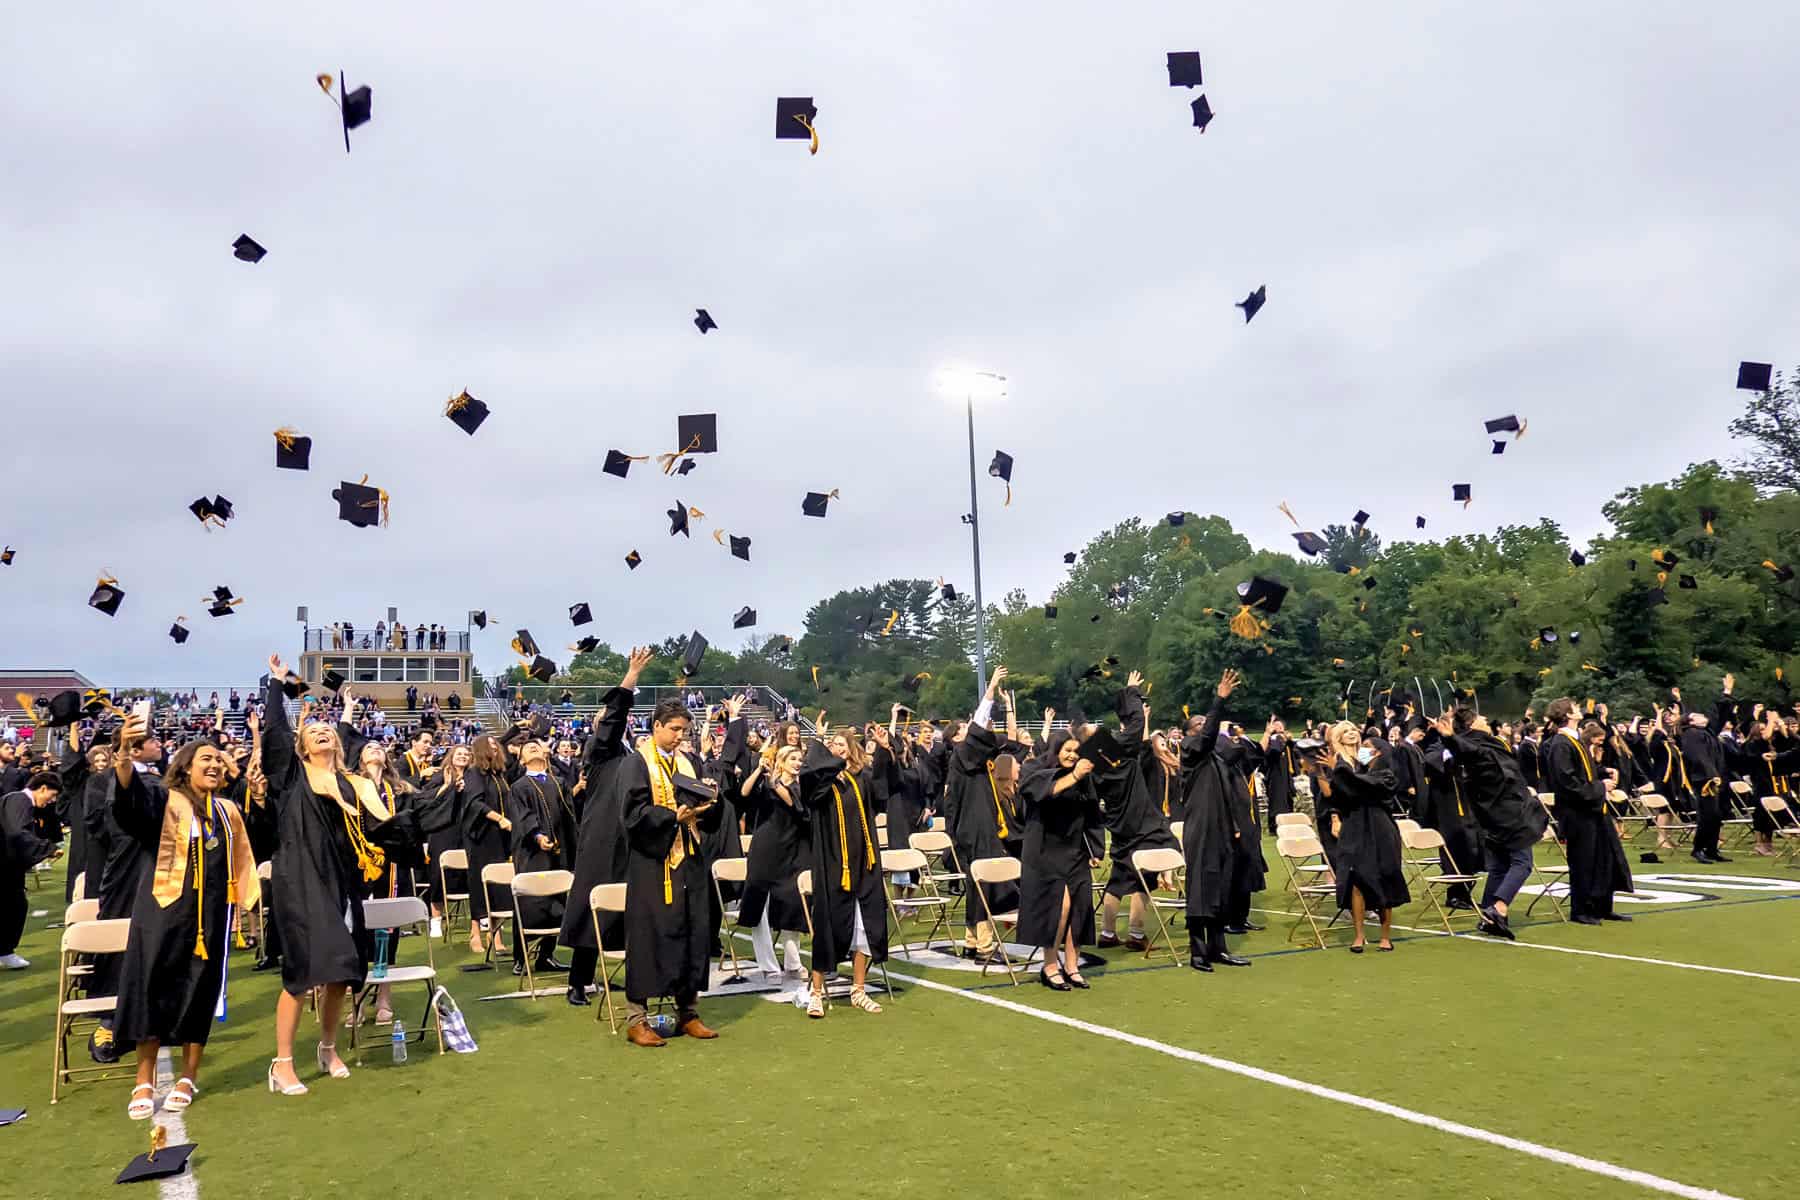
[[172, 852], [1581, 753], [662, 794], [837, 795], [999, 812], [370, 858]]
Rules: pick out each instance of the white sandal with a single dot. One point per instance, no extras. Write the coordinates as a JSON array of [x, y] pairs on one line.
[[141, 1108], [178, 1100], [860, 999], [292, 1089], [815, 1005], [338, 1072]]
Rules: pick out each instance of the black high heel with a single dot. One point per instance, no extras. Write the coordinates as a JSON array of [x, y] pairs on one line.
[[1055, 985], [1356, 949], [1074, 979]]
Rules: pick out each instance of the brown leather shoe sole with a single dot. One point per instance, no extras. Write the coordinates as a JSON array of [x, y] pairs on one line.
[[643, 1035]]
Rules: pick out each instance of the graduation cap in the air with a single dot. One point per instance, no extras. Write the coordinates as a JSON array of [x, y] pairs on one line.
[[746, 617], [1574, 637], [1687, 582], [794, 119], [541, 669], [580, 614], [216, 511], [222, 602], [686, 465], [361, 505], [178, 631], [633, 559], [161, 1162], [1782, 574], [292, 451], [65, 709], [1656, 596], [1049, 612], [479, 619], [1095, 618], [246, 249], [910, 683], [1418, 522], [466, 412], [1261, 595], [1001, 468], [1203, 115], [697, 433], [1707, 517], [1369, 582], [1176, 518], [703, 320], [1507, 424], [690, 657], [332, 680], [740, 546], [1311, 544], [586, 645], [1252, 304], [1754, 376], [814, 503], [523, 645], [946, 590], [619, 463], [1664, 559], [106, 595], [1463, 492], [1499, 447], [678, 520], [6, 556], [1360, 519], [355, 106], [1578, 558], [1184, 68], [1547, 635]]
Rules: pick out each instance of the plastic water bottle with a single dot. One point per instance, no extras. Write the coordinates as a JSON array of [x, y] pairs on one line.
[[399, 1040], [378, 969]]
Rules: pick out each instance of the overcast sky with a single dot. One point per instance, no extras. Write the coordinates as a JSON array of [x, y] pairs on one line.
[[1579, 213]]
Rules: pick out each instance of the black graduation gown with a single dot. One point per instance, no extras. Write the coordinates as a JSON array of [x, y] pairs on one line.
[[1208, 829], [781, 850], [1450, 813], [601, 853], [846, 860], [979, 820], [121, 860], [1668, 769], [1597, 864], [1527, 757], [1136, 795], [1281, 762], [1369, 856], [666, 939], [483, 839], [537, 806], [1765, 778], [1054, 859], [906, 784], [166, 991], [1504, 805], [1249, 868], [723, 839], [70, 811]]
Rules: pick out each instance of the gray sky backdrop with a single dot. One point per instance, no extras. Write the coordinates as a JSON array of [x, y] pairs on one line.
[[1581, 213]]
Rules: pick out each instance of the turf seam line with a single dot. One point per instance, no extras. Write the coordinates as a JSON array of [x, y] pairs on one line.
[[1565, 1158], [172, 1187]]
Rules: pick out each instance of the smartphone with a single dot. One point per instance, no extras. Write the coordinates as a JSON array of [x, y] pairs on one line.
[[141, 710]]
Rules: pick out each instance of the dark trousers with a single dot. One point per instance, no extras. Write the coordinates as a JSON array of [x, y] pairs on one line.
[[1507, 871], [1237, 899], [14, 905], [1709, 822], [582, 963], [1206, 939]]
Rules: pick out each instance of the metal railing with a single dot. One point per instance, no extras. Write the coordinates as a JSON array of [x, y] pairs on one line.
[[363, 638]]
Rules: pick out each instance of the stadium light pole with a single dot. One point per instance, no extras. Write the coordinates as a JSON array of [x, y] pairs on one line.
[[969, 382]]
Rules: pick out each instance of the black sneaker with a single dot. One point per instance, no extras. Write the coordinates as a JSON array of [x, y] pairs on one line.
[[101, 1047]]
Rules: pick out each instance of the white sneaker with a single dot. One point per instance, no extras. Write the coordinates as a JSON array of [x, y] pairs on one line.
[[12, 962], [437, 927]]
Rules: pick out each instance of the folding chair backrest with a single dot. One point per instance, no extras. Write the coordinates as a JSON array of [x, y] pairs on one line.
[[937, 824], [497, 874], [1774, 805], [1547, 799], [454, 860], [1420, 838], [81, 910], [745, 843], [537, 883], [1292, 819], [932, 842], [994, 870], [1653, 802], [1299, 846], [386, 913], [1406, 825], [803, 883], [902, 860], [1157, 860], [607, 897], [731, 870], [1740, 787], [1176, 827], [265, 871], [97, 937], [81, 883]]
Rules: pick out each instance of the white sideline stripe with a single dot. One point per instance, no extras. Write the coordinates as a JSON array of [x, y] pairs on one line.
[[173, 1187], [1633, 958], [1580, 1162]]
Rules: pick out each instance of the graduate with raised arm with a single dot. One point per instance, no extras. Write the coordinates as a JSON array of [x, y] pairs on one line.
[[1281, 762], [979, 811], [726, 769], [1209, 834], [1369, 862], [1138, 790], [543, 828], [22, 847], [849, 908], [1597, 866], [781, 849], [1505, 809]]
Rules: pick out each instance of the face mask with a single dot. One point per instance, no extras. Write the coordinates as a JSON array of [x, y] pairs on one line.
[[1364, 754]]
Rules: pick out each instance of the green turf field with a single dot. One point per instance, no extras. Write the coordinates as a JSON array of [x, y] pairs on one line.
[[1651, 1067]]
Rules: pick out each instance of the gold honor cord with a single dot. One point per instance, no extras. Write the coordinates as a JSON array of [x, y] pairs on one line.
[[893, 617], [1289, 513], [667, 461], [999, 813], [812, 132]]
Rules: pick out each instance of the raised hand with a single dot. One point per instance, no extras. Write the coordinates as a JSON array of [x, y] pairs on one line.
[[1134, 680], [277, 668], [1228, 681], [640, 658]]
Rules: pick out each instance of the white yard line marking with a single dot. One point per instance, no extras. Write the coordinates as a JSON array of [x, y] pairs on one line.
[[1564, 1158], [1633, 958], [174, 1187]]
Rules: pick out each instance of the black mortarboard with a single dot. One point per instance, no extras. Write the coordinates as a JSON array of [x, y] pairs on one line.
[[1265, 595], [1664, 559], [221, 608], [1574, 637], [946, 590], [794, 117], [1252, 304], [1176, 518], [1463, 492], [586, 645], [179, 632], [106, 596], [1203, 115], [1499, 447], [740, 547], [1311, 543], [332, 680], [678, 520], [1782, 574], [746, 617], [617, 463], [6, 556], [1656, 596], [541, 669], [633, 559], [11, 1116], [65, 709], [697, 433], [222, 508], [1754, 376], [1631, 564], [1687, 582], [292, 451], [170, 1160], [357, 107], [1707, 517], [478, 619], [1002, 465], [1094, 672], [1184, 68], [1418, 522], [686, 465], [202, 510], [523, 645], [1344, 568], [292, 686], [696, 650], [359, 504], [703, 320], [1547, 635], [466, 412], [1069, 557], [1506, 424], [1369, 582], [580, 614], [1049, 612], [245, 249], [1361, 518], [1578, 558], [815, 502]]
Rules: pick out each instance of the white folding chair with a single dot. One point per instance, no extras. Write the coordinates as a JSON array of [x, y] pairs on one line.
[[1149, 864], [1743, 799], [724, 871], [1429, 843], [935, 841], [393, 915], [85, 937], [991, 872], [1555, 874], [1787, 828], [1313, 866], [452, 860], [912, 862], [1293, 818], [493, 875], [607, 898], [536, 885], [1297, 851]]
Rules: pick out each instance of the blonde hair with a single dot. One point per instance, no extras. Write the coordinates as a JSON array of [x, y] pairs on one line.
[[337, 744], [1335, 736]]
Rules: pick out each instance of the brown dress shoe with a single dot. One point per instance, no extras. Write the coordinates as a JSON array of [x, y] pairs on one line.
[[694, 1029], [1136, 944], [643, 1035]]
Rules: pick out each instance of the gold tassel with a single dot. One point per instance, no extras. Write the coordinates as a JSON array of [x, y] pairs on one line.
[[668, 460], [1405, 649], [458, 402], [1588, 666], [325, 80], [1289, 513], [1709, 531], [893, 618], [815, 675], [1244, 623], [813, 146], [284, 437], [159, 1138]]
